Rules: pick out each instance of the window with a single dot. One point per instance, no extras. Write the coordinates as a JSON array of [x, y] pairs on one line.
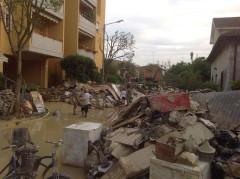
[[8, 19]]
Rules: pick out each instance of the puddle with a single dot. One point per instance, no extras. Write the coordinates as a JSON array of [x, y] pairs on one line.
[[51, 128]]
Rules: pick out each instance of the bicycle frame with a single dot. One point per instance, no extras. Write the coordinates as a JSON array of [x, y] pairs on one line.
[[14, 163], [52, 165]]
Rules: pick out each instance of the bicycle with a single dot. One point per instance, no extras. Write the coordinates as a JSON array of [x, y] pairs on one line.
[[53, 164], [16, 164]]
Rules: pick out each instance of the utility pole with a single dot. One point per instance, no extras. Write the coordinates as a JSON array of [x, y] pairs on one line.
[[103, 56]]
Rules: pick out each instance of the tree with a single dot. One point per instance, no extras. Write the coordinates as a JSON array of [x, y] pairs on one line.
[[202, 67], [128, 67], [80, 68], [19, 18], [190, 76], [119, 46]]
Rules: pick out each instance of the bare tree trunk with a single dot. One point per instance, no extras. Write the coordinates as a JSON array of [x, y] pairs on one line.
[[18, 80]]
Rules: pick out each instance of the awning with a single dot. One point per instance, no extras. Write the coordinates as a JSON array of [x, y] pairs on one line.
[[49, 17], [45, 15], [3, 58]]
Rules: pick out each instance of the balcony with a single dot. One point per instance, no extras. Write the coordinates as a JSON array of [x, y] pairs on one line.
[[46, 45], [58, 14], [85, 53], [86, 26], [92, 2]]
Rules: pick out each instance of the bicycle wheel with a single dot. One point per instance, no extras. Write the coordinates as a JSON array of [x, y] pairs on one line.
[[59, 176]]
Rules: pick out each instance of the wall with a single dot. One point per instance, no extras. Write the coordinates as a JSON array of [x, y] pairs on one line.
[[99, 35], [55, 72], [71, 27], [223, 64]]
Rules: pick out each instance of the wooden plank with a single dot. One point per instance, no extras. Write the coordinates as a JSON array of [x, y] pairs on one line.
[[124, 123], [112, 92], [138, 162], [123, 136], [116, 90]]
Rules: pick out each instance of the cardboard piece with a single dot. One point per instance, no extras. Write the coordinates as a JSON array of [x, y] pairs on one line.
[[37, 101]]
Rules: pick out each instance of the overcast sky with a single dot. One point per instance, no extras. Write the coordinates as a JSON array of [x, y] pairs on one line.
[[168, 29]]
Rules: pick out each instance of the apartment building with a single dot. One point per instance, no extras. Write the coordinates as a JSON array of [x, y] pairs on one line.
[[84, 21], [75, 28]]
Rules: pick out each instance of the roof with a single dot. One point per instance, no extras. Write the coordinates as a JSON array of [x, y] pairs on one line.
[[223, 40], [226, 22], [225, 105]]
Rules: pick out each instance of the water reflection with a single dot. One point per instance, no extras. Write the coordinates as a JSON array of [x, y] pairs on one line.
[[51, 128]]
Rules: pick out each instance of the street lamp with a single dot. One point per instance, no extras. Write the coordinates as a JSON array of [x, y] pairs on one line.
[[103, 57]]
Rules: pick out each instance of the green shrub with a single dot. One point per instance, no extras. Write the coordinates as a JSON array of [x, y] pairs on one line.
[[3, 82], [209, 85], [32, 87], [235, 85], [98, 78], [113, 79], [79, 68]]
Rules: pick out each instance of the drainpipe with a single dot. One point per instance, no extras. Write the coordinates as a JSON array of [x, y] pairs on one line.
[[234, 62]]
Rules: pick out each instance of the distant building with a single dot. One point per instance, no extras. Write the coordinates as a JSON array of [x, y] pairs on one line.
[[225, 54], [150, 72]]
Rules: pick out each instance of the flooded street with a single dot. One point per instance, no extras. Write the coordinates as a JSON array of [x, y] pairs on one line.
[[51, 128]]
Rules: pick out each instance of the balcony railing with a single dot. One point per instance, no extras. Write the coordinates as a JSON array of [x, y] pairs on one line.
[[87, 26], [47, 45], [93, 2], [85, 53]]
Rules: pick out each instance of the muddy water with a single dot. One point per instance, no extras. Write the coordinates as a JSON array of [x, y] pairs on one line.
[[51, 128]]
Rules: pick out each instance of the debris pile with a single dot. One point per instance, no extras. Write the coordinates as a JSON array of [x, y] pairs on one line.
[[7, 100], [170, 127], [104, 95]]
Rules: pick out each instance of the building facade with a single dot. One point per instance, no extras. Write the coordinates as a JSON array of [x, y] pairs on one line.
[[84, 22], [74, 29], [225, 54]]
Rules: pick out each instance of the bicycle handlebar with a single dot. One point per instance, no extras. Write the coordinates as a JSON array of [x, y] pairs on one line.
[[58, 143], [7, 147], [28, 149]]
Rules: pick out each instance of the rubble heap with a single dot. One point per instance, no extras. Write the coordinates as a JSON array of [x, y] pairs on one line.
[[169, 127], [104, 95]]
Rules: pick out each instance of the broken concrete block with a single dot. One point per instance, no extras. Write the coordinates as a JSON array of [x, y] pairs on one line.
[[121, 151], [188, 158], [160, 169], [231, 169], [188, 120], [137, 162], [199, 132], [175, 116], [169, 149]]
